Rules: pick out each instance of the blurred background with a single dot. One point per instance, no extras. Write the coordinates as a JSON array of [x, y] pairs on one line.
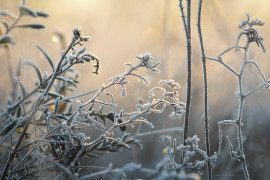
[[121, 29]]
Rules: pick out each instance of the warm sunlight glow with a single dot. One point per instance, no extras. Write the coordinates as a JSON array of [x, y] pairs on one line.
[[55, 38], [118, 89]]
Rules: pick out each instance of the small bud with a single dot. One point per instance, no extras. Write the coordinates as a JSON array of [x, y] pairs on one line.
[[146, 57], [77, 32]]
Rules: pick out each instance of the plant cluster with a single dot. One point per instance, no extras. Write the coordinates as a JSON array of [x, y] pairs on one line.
[[51, 125]]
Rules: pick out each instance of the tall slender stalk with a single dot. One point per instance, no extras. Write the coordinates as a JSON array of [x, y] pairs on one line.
[[242, 157], [186, 22], [206, 123], [241, 97]]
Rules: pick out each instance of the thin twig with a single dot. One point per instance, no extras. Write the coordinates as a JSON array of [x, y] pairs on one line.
[[239, 118], [174, 129], [188, 47], [256, 89], [258, 68], [44, 94], [206, 123], [224, 64]]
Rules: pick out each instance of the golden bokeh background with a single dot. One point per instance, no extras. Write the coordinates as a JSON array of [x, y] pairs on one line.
[[122, 29]]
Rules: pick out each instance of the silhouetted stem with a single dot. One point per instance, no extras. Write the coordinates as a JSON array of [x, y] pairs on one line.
[[188, 47], [206, 124]]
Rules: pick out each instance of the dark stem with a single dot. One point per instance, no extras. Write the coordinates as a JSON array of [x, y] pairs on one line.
[[188, 46], [206, 124]]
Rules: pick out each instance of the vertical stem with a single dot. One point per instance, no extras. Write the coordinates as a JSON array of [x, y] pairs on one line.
[[188, 17], [207, 141], [55, 73], [188, 46], [188, 101], [239, 119]]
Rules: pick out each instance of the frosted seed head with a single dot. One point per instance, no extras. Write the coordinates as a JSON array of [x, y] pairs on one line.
[[77, 32], [146, 57]]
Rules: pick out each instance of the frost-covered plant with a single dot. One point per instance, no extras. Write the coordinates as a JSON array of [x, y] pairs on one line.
[[188, 165], [57, 140], [24, 111], [190, 150], [57, 143], [252, 35]]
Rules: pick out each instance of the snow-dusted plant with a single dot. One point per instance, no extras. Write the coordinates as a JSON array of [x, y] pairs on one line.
[[252, 36], [57, 143]]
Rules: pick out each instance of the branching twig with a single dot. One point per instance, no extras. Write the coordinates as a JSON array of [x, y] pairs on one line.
[[239, 118]]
